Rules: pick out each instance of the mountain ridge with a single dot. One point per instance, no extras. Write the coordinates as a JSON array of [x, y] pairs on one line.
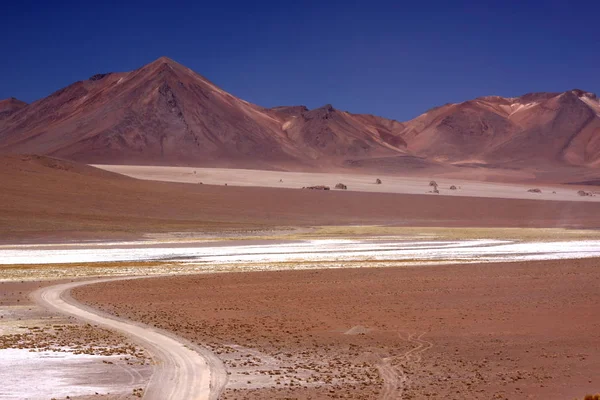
[[166, 114]]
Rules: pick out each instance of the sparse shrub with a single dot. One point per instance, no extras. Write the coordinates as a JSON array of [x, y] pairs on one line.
[[378, 181], [452, 187], [535, 190], [584, 193], [433, 184], [341, 186]]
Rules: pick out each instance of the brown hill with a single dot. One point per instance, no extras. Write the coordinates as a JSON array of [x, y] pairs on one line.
[[332, 136], [534, 129], [162, 113], [564, 129], [42, 166], [166, 114]]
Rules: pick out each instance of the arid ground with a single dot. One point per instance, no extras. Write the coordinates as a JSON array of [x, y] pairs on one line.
[[501, 183], [47, 200], [393, 326], [506, 331]]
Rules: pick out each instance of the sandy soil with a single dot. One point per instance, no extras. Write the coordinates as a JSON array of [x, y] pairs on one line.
[[355, 182], [509, 331], [50, 202]]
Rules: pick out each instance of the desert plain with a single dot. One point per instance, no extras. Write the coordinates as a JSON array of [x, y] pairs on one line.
[[113, 285]]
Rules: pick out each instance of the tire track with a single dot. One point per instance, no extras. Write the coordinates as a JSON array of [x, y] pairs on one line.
[[392, 368]]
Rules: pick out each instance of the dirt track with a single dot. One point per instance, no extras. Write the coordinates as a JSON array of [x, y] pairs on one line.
[[182, 371]]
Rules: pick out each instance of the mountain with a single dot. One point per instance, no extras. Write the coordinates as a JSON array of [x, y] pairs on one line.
[[328, 132], [534, 129], [161, 113], [10, 106], [164, 113], [167, 114]]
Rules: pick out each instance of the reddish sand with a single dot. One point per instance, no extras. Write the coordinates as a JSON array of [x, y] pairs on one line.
[[508, 331], [52, 200]]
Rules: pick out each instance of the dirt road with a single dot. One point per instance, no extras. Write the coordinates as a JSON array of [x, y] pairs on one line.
[[183, 371]]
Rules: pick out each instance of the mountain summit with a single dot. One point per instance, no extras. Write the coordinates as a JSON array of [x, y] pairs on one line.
[[536, 128], [9, 106], [166, 114]]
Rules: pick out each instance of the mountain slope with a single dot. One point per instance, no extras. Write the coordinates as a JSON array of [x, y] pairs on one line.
[[534, 129], [161, 113], [333, 135], [164, 113], [10, 106], [563, 128]]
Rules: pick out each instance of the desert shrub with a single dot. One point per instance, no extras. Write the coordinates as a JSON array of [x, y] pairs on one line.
[[535, 190], [378, 181], [583, 193], [433, 184], [452, 187], [341, 186]]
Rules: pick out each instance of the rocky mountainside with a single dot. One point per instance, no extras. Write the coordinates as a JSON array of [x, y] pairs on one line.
[[10, 106], [537, 128], [166, 114]]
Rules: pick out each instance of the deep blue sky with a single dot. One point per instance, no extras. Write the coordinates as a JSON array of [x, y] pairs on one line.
[[373, 57]]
